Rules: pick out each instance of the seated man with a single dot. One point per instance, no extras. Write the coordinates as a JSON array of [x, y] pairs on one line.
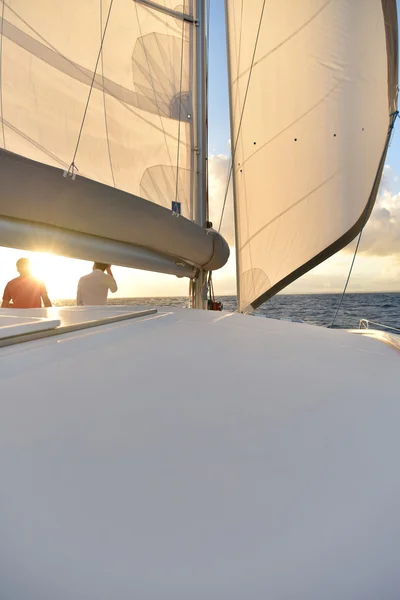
[[25, 291], [93, 288]]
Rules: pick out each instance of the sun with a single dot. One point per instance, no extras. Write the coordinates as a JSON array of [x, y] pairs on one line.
[[59, 274], [43, 265]]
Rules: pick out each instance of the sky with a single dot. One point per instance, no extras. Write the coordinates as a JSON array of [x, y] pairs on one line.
[[377, 266]]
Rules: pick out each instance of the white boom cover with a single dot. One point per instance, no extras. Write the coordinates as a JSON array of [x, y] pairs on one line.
[[311, 130], [143, 82]]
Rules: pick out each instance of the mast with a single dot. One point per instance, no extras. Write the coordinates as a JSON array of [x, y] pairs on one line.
[[233, 177], [200, 136]]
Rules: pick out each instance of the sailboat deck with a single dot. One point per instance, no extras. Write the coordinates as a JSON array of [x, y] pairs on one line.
[[16, 327], [198, 454]]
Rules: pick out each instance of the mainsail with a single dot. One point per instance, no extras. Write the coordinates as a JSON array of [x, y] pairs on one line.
[[313, 92], [101, 90]]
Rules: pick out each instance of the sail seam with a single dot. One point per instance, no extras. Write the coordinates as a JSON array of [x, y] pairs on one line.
[[1, 75], [242, 114], [152, 125], [50, 54], [35, 144], [238, 55], [298, 119], [154, 90], [289, 208], [112, 89], [150, 79], [85, 74], [73, 166], [291, 36], [179, 122], [104, 98]]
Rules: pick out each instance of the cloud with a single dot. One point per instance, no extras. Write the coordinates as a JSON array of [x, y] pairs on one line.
[[377, 266], [370, 274], [381, 235], [218, 170]]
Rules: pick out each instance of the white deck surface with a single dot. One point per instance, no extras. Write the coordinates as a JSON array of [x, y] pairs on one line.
[[68, 315], [196, 455], [12, 324]]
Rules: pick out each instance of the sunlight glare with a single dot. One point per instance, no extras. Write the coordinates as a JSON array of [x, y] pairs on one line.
[[43, 265], [59, 274]]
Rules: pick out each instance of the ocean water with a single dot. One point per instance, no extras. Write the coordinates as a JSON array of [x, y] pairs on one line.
[[317, 309]]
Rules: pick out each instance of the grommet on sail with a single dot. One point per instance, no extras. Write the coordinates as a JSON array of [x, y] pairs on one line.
[[313, 90]]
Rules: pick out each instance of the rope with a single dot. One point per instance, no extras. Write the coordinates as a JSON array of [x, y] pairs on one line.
[[72, 165], [156, 94], [1, 79], [208, 29], [366, 323], [241, 115], [180, 111], [211, 287], [104, 98], [207, 98], [380, 166], [236, 98], [191, 293]]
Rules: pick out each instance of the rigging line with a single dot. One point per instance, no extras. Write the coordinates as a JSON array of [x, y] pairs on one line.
[[380, 166], [239, 53], [241, 115], [104, 97], [148, 76], [85, 72], [76, 71], [46, 43], [208, 29], [237, 98], [1, 74], [207, 100], [150, 79], [153, 88], [180, 115], [36, 144], [364, 324], [91, 86], [292, 35], [140, 117]]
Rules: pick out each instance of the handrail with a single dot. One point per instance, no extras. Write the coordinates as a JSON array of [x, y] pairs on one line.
[[364, 324]]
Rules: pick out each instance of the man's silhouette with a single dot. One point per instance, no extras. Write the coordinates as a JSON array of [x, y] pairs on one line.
[[25, 291]]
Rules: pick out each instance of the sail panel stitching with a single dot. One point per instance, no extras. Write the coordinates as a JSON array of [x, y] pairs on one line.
[[153, 88], [104, 97], [73, 167], [242, 114]]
